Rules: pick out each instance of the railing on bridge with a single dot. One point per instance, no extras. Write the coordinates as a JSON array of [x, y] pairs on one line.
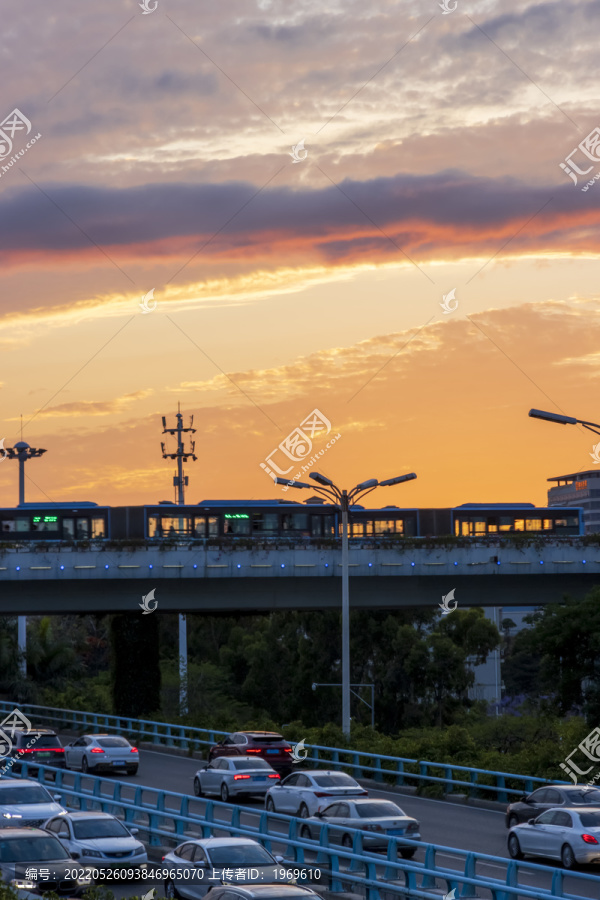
[[394, 770], [167, 820]]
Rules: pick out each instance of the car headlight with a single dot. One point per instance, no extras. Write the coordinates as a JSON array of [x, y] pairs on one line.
[[85, 881], [12, 815], [22, 885], [94, 853]]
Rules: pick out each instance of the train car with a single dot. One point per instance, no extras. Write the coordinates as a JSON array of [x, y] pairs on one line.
[[55, 522], [485, 519]]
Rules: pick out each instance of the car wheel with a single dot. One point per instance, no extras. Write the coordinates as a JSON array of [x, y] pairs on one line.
[[197, 787], [407, 854], [514, 847], [303, 811], [512, 821], [567, 857], [132, 770], [224, 793], [347, 841], [84, 765], [270, 806], [305, 833], [171, 891]]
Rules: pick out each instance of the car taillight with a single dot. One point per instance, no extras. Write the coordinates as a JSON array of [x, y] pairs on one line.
[[323, 794], [251, 750], [96, 750], [240, 777], [414, 826], [288, 749], [373, 828], [275, 776], [589, 838], [134, 750]]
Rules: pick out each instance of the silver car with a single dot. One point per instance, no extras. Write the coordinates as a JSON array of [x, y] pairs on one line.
[[33, 860], [379, 819], [234, 776], [100, 839], [26, 802], [102, 753], [571, 835], [263, 892], [304, 793], [201, 864]]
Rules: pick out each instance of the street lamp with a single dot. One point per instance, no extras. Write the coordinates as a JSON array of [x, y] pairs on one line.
[[562, 420], [343, 500], [22, 452]]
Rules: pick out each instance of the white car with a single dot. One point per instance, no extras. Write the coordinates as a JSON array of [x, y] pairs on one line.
[[209, 857], [99, 838], [26, 802], [571, 835], [102, 752], [234, 776], [305, 793]]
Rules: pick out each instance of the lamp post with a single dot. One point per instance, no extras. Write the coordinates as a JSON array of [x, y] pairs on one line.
[[563, 420], [343, 499]]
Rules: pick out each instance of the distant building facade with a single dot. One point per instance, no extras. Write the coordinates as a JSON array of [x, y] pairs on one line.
[[579, 489]]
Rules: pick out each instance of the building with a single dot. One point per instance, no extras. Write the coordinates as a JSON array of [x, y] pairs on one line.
[[579, 489]]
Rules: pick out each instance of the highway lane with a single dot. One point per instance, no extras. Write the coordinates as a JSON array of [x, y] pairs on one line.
[[447, 824]]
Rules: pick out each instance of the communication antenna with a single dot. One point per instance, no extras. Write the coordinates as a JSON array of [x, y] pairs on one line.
[[23, 453], [180, 481]]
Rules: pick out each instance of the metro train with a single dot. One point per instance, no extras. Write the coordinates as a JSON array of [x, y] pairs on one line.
[[313, 520]]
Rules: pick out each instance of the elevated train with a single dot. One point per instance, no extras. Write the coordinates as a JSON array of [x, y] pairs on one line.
[[312, 520]]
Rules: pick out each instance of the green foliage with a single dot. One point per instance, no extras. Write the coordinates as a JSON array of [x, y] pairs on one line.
[[135, 669]]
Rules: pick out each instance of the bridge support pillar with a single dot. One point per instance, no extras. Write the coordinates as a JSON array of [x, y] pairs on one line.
[[183, 663], [22, 642]]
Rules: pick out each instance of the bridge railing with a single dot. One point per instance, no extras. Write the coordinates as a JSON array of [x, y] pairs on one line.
[[400, 771], [168, 818]]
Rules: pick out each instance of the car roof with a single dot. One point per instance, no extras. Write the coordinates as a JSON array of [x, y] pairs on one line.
[[90, 814], [577, 809], [12, 833], [259, 733], [221, 842], [98, 735], [269, 890], [26, 781], [33, 730]]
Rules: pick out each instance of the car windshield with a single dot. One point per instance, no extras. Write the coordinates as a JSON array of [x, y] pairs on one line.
[[12, 796], [250, 764], [335, 780], [37, 741], [241, 855], [266, 738], [590, 819], [90, 829], [377, 808], [584, 798], [113, 742], [31, 849]]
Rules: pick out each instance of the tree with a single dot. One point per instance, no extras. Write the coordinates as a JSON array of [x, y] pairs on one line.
[[135, 669]]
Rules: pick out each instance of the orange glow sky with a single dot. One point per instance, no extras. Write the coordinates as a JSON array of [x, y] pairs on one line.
[[433, 149]]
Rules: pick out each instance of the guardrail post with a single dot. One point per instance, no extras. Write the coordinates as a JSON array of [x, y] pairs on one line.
[[557, 883], [377, 775], [316, 756], [400, 772], [422, 771], [501, 785], [182, 739], [235, 817], [335, 885], [153, 826], [429, 880], [528, 785], [357, 850], [356, 771], [323, 842], [335, 759], [468, 890], [170, 741], [448, 782], [390, 873], [473, 780], [372, 890], [184, 806]]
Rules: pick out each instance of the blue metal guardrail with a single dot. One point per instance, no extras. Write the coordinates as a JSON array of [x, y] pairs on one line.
[[166, 819], [396, 770]]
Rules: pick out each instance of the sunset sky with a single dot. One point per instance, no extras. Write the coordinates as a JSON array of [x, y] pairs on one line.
[[434, 144]]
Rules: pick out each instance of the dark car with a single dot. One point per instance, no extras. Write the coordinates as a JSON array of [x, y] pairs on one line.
[[41, 745], [266, 744], [33, 860], [529, 806]]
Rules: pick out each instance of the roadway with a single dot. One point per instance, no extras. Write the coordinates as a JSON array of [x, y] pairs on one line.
[[448, 824]]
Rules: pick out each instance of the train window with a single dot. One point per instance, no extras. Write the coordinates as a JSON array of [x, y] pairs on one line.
[[492, 524], [83, 529], [385, 526], [300, 522], [533, 524], [199, 526], [357, 529], [237, 523], [213, 526], [153, 526], [171, 526], [368, 527], [479, 526], [548, 525], [98, 528], [68, 529], [44, 523], [519, 524], [328, 526], [265, 522], [315, 526], [506, 523]]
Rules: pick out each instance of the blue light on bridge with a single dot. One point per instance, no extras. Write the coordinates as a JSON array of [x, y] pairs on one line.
[[18, 568]]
